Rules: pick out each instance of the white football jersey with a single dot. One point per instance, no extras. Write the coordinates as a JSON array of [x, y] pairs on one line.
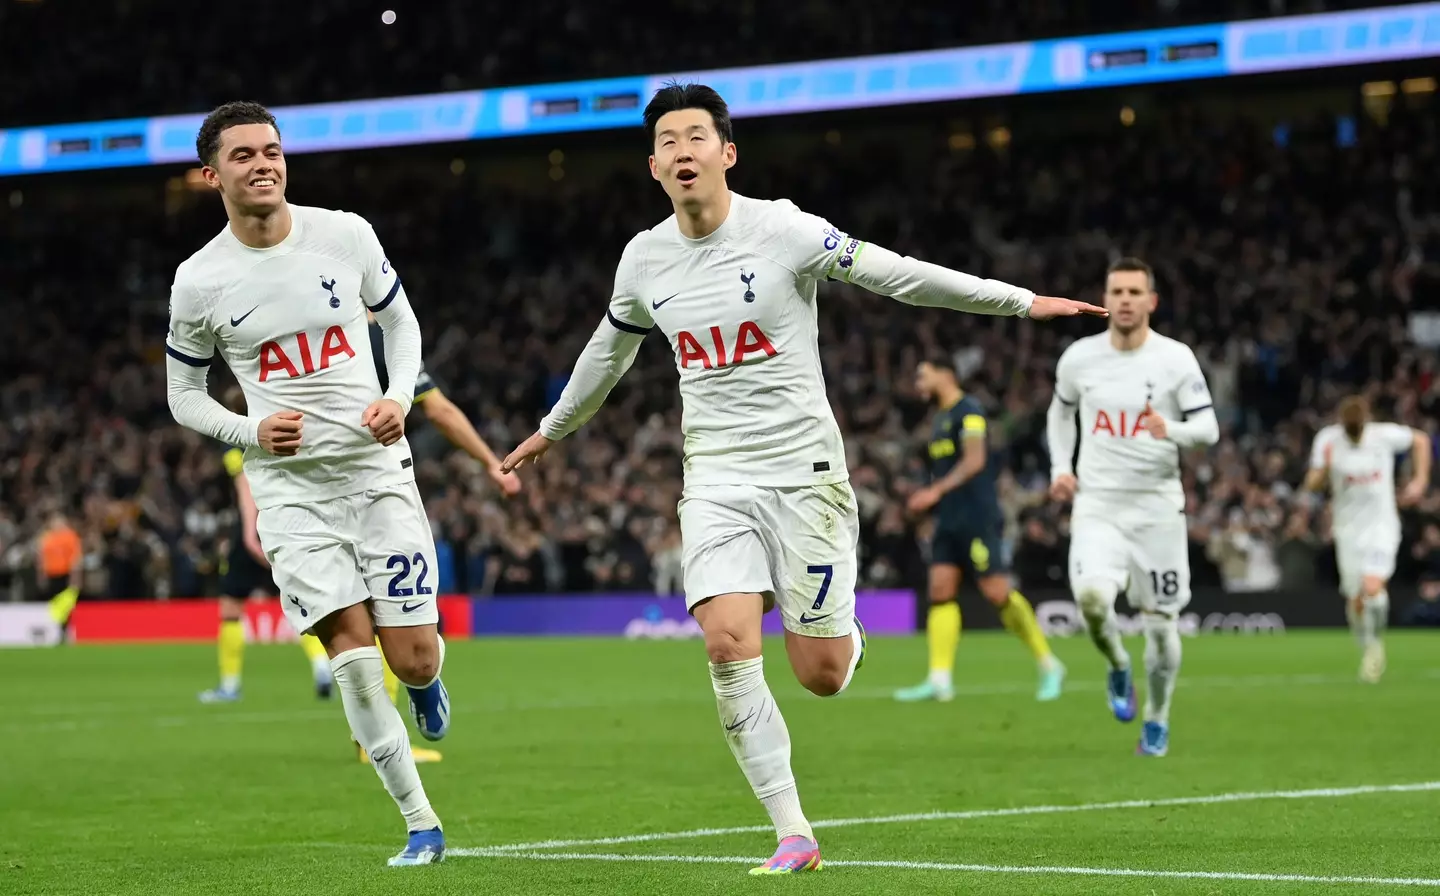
[[1362, 476], [739, 309], [290, 322], [1110, 388]]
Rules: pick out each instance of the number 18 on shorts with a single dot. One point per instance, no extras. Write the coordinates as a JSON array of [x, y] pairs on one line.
[[374, 546], [1148, 559]]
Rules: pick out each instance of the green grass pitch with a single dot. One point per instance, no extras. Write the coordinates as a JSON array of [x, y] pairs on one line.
[[114, 780]]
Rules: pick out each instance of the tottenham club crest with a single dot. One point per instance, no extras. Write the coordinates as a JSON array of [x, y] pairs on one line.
[[746, 278], [329, 286]]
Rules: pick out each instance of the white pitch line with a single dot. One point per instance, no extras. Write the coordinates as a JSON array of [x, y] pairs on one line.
[[1240, 797], [965, 867]]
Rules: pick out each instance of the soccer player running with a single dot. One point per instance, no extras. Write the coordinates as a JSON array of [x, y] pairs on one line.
[[767, 516], [1357, 458], [1141, 398], [281, 294], [967, 532]]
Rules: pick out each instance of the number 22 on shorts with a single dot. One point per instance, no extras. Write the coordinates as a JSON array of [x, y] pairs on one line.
[[397, 586]]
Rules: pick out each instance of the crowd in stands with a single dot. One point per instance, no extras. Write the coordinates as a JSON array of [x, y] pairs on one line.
[[180, 56], [1296, 268]]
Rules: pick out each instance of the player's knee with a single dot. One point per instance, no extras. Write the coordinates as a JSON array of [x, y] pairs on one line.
[[1371, 587], [1096, 599], [995, 589], [1159, 625], [728, 645]]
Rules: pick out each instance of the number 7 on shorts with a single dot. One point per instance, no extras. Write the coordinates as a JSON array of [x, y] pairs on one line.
[[828, 571]]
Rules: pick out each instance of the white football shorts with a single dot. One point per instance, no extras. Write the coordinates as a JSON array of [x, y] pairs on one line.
[[797, 547], [1367, 552], [1142, 549], [375, 545]]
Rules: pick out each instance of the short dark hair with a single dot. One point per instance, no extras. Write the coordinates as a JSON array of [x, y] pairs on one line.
[[207, 141], [941, 361], [1131, 263], [675, 96]]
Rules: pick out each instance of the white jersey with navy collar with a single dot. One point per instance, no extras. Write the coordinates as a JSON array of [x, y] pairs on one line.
[[290, 322]]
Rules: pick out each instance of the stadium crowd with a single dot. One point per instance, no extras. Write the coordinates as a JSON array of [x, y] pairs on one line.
[[184, 55], [1297, 268]]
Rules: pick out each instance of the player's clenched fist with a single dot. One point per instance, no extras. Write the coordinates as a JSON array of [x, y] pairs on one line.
[[530, 450], [1063, 488], [386, 421], [280, 433], [1154, 423]]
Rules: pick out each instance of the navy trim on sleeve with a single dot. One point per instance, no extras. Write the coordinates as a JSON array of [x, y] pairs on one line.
[[188, 359], [1068, 404], [621, 325], [1203, 407], [390, 297]]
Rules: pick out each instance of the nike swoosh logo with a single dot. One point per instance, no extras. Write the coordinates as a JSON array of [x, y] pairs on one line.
[[406, 608], [656, 305], [739, 722], [236, 321], [806, 620]]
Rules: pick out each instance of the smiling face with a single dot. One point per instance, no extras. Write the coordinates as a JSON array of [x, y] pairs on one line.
[[249, 169], [690, 157]]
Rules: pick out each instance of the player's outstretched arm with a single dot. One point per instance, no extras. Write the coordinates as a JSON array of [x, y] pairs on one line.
[[820, 251], [455, 425], [604, 360], [609, 353]]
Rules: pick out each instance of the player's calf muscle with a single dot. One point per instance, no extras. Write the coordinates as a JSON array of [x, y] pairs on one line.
[[820, 664], [413, 653]]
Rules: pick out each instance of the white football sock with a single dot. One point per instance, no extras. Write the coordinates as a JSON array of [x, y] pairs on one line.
[[378, 728], [758, 738], [1097, 604], [1377, 612], [942, 678], [230, 682], [1363, 618], [1162, 666]]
